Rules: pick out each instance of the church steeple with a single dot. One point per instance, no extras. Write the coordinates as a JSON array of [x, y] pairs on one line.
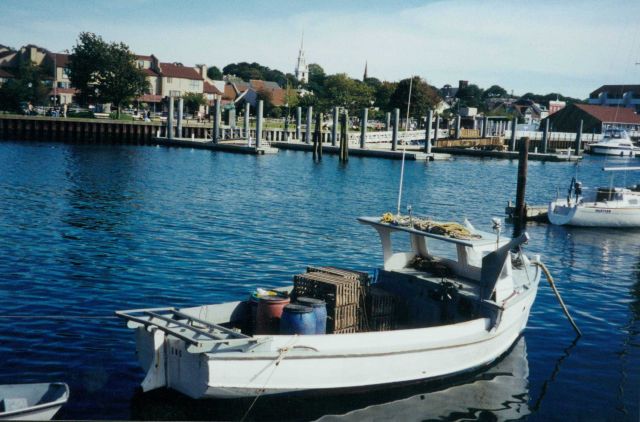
[[364, 78], [302, 70]]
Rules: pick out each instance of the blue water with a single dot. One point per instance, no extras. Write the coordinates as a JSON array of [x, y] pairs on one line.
[[87, 230]]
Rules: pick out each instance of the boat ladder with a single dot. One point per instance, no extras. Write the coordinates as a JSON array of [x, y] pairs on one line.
[[198, 334]]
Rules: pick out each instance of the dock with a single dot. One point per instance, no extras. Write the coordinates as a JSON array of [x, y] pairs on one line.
[[512, 155], [238, 147], [532, 212], [410, 154]]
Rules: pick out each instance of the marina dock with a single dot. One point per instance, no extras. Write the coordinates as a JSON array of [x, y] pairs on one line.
[[512, 155], [410, 154], [234, 146]]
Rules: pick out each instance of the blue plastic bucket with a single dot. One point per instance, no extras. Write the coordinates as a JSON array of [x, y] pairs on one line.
[[319, 310], [297, 319]]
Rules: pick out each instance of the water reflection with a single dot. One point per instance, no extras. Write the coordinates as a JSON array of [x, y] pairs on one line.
[[498, 393]]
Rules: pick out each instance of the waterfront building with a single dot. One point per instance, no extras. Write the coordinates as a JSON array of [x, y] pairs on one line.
[[556, 106], [595, 118], [627, 96], [302, 69]]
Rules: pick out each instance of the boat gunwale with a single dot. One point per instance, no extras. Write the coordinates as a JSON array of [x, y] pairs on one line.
[[38, 407]]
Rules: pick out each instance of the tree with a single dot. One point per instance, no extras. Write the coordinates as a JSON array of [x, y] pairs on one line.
[[105, 71], [341, 90], [28, 86], [383, 95], [193, 101], [87, 58], [317, 79], [214, 73], [423, 97], [470, 96], [120, 81], [495, 91], [247, 71]]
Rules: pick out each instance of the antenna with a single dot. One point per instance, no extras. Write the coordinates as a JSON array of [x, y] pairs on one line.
[[401, 178]]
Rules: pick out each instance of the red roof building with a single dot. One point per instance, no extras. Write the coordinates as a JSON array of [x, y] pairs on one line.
[[595, 118]]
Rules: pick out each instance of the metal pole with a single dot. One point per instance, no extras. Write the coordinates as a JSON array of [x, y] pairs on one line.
[[309, 121], [259, 124], [179, 124], [363, 127], [298, 122], [406, 127], [396, 123], [579, 138], [170, 120], [334, 128], [247, 112], [427, 132]]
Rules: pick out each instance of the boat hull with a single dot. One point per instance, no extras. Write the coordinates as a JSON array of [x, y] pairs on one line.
[[334, 362], [42, 401], [610, 150], [596, 215]]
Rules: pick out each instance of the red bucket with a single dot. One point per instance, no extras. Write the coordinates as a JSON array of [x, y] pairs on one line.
[[269, 313]]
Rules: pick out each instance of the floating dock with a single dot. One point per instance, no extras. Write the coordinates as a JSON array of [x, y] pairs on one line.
[[512, 155], [410, 154], [532, 212], [234, 146]]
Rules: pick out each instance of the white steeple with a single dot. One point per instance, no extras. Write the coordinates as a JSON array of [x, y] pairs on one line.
[[302, 70]]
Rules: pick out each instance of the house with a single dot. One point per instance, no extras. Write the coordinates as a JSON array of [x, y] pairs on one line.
[[595, 118], [5, 75], [61, 91], [617, 95]]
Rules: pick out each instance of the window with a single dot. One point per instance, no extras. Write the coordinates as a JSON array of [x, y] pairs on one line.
[[195, 86], [169, 80]]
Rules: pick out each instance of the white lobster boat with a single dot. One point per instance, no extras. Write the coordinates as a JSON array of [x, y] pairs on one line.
[[615, 142], [464, 309], [604, 207]]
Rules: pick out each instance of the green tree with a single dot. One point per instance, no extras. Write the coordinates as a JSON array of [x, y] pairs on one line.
[[214, 73], [423, 97], [28, 86], [247, 71], [383, 95], [121, 80], [88, 57], [106, 71], [193, 101], [495, 91], [341, 90], [317, 79], [470, 96]]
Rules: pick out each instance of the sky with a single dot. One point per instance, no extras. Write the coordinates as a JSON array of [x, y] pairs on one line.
[[571, 46]]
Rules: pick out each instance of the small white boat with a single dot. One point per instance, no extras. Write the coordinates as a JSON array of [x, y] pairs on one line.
[[615, 142], [31, 402], [603, 207], [466, 298]]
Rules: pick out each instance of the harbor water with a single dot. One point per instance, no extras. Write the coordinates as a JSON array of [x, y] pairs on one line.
[[86, 230]]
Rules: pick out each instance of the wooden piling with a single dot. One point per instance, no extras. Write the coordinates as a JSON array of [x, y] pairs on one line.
[[344, 137], [520, 211], [334, 127], [307, 131], [317, 140], [363, 127], [396, 124]]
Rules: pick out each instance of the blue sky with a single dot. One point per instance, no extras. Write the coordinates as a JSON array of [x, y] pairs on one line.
[[569, 46]]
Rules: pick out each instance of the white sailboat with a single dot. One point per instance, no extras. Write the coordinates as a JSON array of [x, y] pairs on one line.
[[465, 304], [603, 207], [615, 142]]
